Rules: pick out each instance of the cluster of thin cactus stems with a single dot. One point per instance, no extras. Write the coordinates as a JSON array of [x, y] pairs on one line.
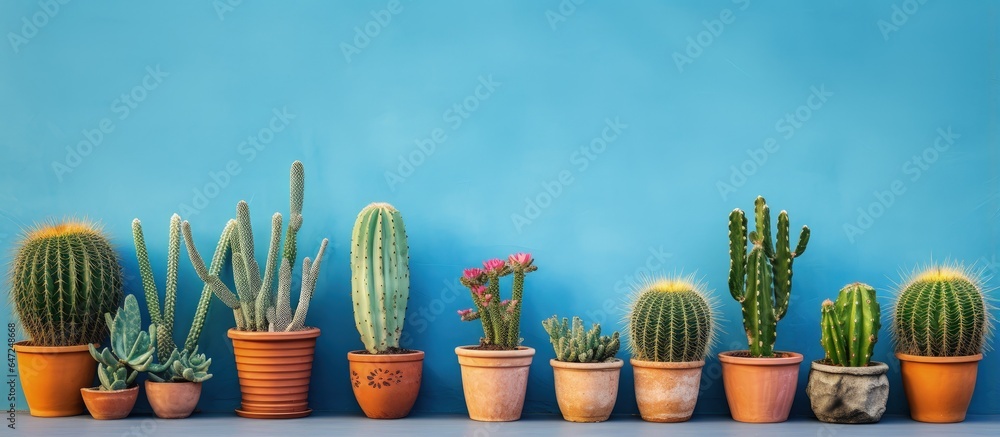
[[501, 319]]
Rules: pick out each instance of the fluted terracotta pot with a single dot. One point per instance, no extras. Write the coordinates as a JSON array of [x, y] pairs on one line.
[[274, 370], [173, 400], [665, 391], [760, 390], [109, 404], [494, 382], [52, 376], [938, 389], [586, 392], [386, 386]]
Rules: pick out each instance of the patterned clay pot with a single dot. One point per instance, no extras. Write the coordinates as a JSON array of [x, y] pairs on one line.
[[386, 386]]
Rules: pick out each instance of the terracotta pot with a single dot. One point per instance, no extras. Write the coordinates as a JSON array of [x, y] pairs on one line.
[[938, 389], [52, 376], [494, 382], [839, 394], [586, 392], [666, 392], [111, 404], [173, 400], [386, 386], [274, 370], [760, 390]]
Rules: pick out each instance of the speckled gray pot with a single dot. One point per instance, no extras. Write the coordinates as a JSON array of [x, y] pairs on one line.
[[848, 394]]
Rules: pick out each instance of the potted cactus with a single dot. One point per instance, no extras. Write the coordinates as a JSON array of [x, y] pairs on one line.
[[585, 369], [760, 383], [174, 384], [70, 259], [131, 352], [385, 377], [495, 372], [941, 322], [847, 386], [671, 328], [273, 347]]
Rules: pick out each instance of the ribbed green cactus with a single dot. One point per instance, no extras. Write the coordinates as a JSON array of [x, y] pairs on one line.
[[183, 366], [380, 276], [762, 280], [255, 305], [942, 312], [671, 320], [850, 326], [63, 278], [132, 349], [575, 344]]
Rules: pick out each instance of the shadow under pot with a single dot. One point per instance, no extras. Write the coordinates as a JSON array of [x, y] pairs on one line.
[[843, 394]]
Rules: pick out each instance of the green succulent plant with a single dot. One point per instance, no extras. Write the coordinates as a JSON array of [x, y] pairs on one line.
[[181, 366], [132, 349], [576, 344], [850, 326]]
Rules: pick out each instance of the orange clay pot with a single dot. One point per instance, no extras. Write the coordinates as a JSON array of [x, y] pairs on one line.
[[760, 390], [52, 376], [173, 400], [938, 389], [274, 370], [109, 404], [586, 392], [494, 382], [386, 386], [666, 392]]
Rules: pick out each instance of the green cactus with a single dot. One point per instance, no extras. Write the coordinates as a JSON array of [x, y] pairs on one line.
[[762, 280], [850, 326], [501, 319], [380, 278], [63, 278], [132, 349], [575, 344], [183, 366], [671, 320], [942, 312]]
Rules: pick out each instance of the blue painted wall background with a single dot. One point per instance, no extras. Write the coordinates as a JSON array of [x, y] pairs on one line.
[[517, 98]]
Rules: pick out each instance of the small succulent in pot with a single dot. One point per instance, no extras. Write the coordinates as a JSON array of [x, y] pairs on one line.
[[132, 349], [573, 343], [585, 369]]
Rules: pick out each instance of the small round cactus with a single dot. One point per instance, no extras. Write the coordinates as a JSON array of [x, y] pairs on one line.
[[671, 320], [941, 311]]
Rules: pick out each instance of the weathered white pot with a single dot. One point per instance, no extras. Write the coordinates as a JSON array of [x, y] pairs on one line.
[[586, 392], [848, 394]]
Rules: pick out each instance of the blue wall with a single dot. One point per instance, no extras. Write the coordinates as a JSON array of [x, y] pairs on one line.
[[611, 141]]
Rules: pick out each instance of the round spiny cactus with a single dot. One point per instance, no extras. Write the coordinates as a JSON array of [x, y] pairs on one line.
[[671, 320], [941, 312], [64, 277]]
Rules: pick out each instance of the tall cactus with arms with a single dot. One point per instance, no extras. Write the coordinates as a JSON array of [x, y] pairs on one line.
[[850, 326], [762, 279], [380, 278]]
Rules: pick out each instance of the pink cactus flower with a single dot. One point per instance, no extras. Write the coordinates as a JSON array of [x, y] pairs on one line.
[[479, 290], [520, 258], [472, 273], [493, 265], [464, 313], [505, 302], [486, 299]]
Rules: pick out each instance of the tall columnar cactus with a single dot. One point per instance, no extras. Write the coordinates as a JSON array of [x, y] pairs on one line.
[[380, 276], [671, 320], [575, 344], [762, 280], [132, 349], [501, 319], [63, 278], [256, 305], [850, 326], [942, 312]]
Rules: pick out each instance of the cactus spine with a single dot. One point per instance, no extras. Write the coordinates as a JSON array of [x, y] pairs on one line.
[[942, 312], [63, 278], [380, 278], [762, 280], [132, 349], [579, 345], [850, 326], [671, 320]]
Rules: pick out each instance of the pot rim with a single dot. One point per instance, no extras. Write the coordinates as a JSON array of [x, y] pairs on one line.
[[939, 360], [97, 389], [359, 357], [236, 334], [151, 382], [795, 358], [667, 364], [520, 352], [875, 368], [616, 363], [27, 347]]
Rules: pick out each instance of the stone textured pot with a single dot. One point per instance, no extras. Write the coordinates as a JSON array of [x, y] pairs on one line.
[[938, 389], [274, 370], [760, 390], [494, 382], [52, 376], [173, 400], [386, 386], [109, 405], [841, 394], [586, 392], [666, 392]]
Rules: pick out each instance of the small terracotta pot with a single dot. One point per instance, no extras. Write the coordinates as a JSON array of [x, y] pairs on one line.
[[386, 386], [586, 392], [173, 400], [52, 376], [274, 370], [494, 382], [938, 389], [109, 404], [666, 392], [760, 390]]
